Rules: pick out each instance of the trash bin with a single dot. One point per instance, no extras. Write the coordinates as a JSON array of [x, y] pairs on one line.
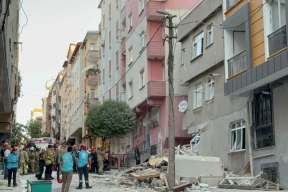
[[39, 186]]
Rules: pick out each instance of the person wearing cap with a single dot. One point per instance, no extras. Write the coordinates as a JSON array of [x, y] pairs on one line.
[[137, 154], [12, 166], [31, 155], [49, 161], [100, 158], [82, 159], [23, 161], [66, 169], [6, 154]]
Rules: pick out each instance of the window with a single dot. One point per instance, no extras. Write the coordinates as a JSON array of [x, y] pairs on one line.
[[110, 38], [210, 89], [142, 79], [198, 95], [141, 6], [277, 14], [182, 56], [117, 28], [142, 43], [131, 55], [92, 93], [103, 20], [230, 3], [117, 62], [238, 130], [109, 67], [263, 133], [130, 89], [110, 10], [197, 45], [209, 35], [130, 21], [103, 75]]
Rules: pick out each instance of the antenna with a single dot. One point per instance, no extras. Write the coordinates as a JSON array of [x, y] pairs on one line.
[[182, 107]]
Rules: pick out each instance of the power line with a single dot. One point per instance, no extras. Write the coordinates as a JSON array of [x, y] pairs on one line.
[[25, 16], [135, 60]]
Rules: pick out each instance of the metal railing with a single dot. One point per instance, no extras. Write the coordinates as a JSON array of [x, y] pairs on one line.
[[277, 40], [237, 64]]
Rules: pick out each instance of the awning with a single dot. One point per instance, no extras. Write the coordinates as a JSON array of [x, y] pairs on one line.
[[87, 68], [196, 128]]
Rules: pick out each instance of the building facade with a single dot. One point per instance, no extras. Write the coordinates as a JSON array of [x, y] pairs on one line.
[[202, 70], [256, 67], [9, 53], [36, 113], [46, 107]]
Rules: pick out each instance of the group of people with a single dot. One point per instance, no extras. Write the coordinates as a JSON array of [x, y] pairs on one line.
[[66, 160]]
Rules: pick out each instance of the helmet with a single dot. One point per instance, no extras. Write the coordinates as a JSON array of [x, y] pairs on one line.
[[31, 148], [13, 149], [82, 146], [98, 146], [59, 180], [53, 167]]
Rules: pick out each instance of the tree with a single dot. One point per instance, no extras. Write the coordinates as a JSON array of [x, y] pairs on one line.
[[45, 134], [112, 119], [34, 128], [17, 133]]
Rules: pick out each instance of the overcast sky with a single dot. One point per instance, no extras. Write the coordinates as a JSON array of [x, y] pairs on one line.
[[51, 26]]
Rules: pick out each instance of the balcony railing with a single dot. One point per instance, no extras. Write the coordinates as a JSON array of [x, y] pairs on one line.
[[92, 79], [151, 8], [230, 3], [237, 64], [156, 89], [93, 55], [155, 50], [277, 40]]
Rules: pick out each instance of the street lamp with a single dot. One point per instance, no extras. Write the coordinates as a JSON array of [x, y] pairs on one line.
[[171, 123]]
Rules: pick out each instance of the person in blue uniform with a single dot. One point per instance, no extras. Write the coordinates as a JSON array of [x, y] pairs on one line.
[[12, 166], [83, 160]]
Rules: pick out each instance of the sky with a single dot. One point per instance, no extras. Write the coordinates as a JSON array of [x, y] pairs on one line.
[[51, 26]]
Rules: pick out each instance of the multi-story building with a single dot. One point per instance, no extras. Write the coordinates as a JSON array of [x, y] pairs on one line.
[[256, 67], [134, 68], [46, 107], [55, 107], [36, 113], [91, 74], [202, 70], [9, 88]]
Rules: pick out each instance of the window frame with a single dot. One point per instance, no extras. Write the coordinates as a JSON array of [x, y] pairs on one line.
[[198, 38], [198, 94], [209, 34], [131, 57], [130, 89], [94, 93], [130, 21], [263, 125], [183, 56], [142, 40], [242, 135], [210, 85], [141, 78]]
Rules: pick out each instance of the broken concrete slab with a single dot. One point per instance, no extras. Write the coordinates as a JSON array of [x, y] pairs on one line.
[[191, 166]]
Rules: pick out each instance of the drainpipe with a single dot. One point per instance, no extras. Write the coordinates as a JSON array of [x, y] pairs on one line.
[[249, 135]]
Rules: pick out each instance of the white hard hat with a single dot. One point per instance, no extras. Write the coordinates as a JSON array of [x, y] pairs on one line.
[[31, 148]]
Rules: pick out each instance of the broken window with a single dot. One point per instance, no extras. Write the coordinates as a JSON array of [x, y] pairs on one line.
[[194, 143], [263, 132], [238, 130]]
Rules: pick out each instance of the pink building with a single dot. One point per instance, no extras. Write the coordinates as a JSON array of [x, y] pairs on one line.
[[144, 71]]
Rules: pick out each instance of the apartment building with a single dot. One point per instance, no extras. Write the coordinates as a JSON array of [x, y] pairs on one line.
[[202, 70], [46, 107], [136, 73], [91, 74], [255, 46], [36, 113], [9, 89]]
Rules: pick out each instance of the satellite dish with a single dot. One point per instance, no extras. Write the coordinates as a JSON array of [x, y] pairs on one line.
[[182, 106], [145, 121]]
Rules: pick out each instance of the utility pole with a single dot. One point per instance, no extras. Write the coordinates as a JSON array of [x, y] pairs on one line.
[[171, 123]]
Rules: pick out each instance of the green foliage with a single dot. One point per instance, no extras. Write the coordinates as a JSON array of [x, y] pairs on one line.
[[45, 134], [111, 119], [17, 133], [33, 128]]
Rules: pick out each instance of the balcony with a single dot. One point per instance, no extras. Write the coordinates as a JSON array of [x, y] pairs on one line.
[[151, 8], [155, 50], [92, 102], [277, 40], [237, 64], [93, 54], [92, 79], [156, 89]]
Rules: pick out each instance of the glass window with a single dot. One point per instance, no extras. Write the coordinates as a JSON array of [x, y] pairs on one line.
[[142, 40], [182, 56], [210, 89], [209, 34], [198, 95], [278, 14], [142, 78], [198, 45], [238, 131], [130, 89]]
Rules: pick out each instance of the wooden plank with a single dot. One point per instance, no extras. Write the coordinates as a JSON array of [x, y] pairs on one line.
[[243, 187], [245, 170], [181, 187]]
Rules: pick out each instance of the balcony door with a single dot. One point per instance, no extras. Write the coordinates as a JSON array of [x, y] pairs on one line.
[[277, 15]]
